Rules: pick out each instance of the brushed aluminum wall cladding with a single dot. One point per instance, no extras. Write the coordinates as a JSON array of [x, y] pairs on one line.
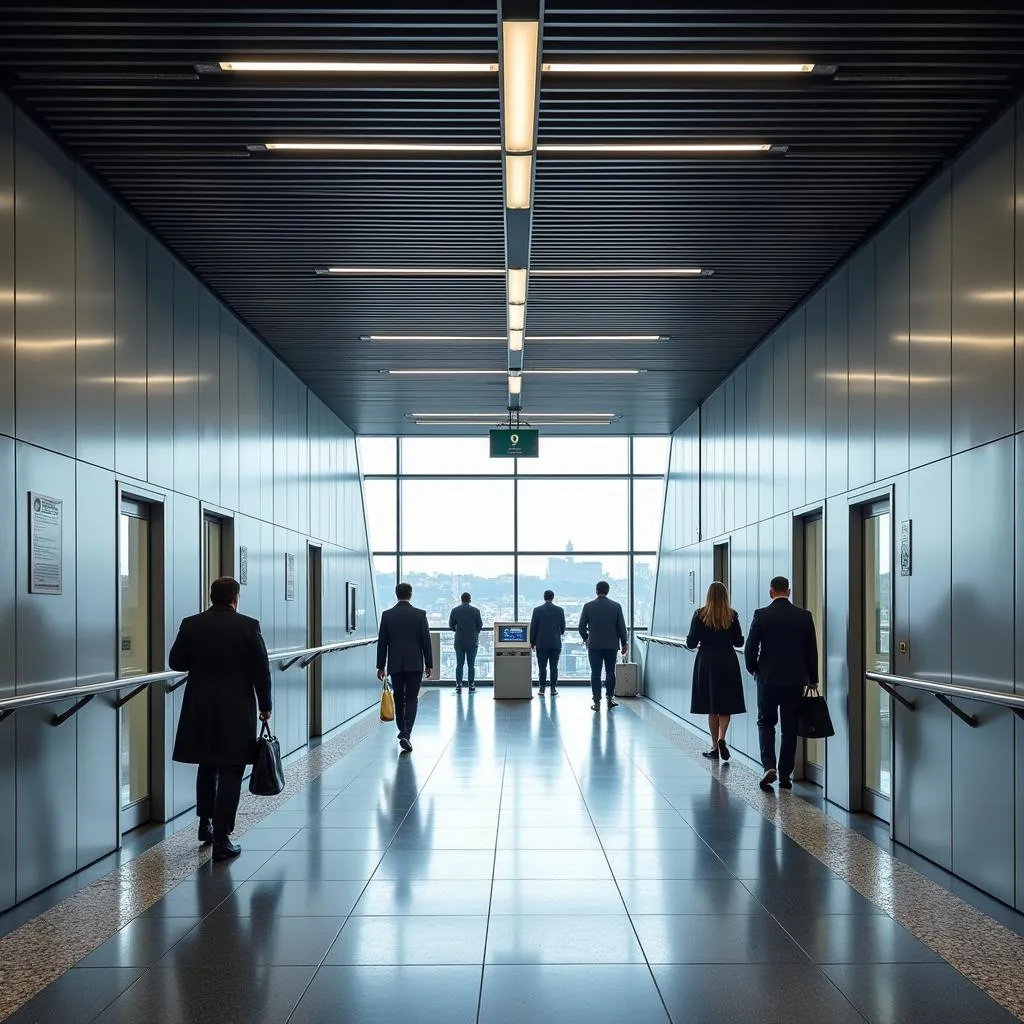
[[126, 362], [890, 414], [118, 87]]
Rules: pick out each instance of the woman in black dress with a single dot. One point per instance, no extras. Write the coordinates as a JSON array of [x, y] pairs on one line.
[[717, 687]]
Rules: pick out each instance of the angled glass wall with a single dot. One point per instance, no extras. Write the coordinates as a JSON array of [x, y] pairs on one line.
[[447, 518]]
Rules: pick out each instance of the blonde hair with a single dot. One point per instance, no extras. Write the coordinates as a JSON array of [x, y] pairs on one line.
[[717, 612]]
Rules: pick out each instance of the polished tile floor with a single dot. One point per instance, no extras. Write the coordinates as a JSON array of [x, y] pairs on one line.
[[530, 863]]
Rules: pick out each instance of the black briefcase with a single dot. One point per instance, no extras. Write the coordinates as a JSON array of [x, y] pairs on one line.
[[815, 723], [267, 777]]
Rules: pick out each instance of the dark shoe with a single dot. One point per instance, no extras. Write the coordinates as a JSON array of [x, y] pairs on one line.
[[785, 782], [542, 691], [723, 750], [205, 830], [458, 689], [612, 702], [768, 778], [224, 849], [403, 742], [554, 692], [472, 689], [597, 704], [711, 755]]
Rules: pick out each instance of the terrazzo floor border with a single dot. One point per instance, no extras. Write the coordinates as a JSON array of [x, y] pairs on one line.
[[41, 950], [984, 951]]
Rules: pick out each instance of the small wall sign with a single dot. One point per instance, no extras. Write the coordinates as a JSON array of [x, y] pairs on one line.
[[45, 544], [243, 565], [906, 553], [289, 576]]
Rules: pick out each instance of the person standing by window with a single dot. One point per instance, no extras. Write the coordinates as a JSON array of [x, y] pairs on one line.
[[466, 621], [603, 628], [547, 625], [717, 687]]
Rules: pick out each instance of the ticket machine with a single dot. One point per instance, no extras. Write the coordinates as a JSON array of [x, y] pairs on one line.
[[513, 662]]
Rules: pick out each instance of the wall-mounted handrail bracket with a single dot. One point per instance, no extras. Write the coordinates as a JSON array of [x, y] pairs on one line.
[[5, 715], [896, 695], [971, 720], [306, 662], [71, 711], [1019, 712], [285, 665], [171, 687], [121, 701]]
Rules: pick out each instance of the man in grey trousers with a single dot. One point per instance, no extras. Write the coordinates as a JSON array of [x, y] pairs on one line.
[[466, 621], [603, 628]]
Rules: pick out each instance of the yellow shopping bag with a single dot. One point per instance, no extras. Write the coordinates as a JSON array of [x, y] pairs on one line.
[[387, 703]]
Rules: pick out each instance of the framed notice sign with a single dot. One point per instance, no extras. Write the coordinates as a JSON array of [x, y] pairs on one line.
[[289, 577], [45, 544]]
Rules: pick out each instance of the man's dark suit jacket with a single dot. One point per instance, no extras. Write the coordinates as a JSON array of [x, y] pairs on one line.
[[782, 647], [547, 624], [466, 622], [228, 678], [403, 643], [603, 624]]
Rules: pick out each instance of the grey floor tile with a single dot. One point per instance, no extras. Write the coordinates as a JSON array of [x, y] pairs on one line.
[[569, 939], [327, 865], [337, 839], [262, 838], [715, 939], [439, 865], [266, 898], [552, 864], [657, 864], [409, 941], [916, 994], [556, 896], [569, 994], [752, 994], [385, 995], [396, 897], [687, 896], [775, 862], [445, 839], [250, 994], [650, 839], [140, 943], [77, 997], [810, 896], [276, 940], [855, 939]]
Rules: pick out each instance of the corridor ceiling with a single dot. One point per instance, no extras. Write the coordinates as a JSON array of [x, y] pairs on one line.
[[895, 91]]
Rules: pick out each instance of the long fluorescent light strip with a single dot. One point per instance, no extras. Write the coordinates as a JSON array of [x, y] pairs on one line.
[[438, 372], [385, 147], [518, 181], [654, 147], [619, 272], [496, 422], [502, 337], [518, 283], [594, 337], [487, 416], [520, 46], [360, 66], [677, 68], [437, 337], [414, 271]]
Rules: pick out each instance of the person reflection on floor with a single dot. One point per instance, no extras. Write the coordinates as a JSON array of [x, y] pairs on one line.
[[402, 814]]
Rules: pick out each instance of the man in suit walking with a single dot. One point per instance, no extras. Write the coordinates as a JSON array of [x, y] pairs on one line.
[[603, 628], [403, 652], [782, 654], [547, 624], [228, 678], [466, 621]]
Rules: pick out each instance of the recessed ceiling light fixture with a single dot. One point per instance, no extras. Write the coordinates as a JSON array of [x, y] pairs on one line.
[[516, 286], [446, 372], [408, 271], [358, 67], [678, 68], [432, 337], [518, 181], [517, 282], [515, 341], [515, 383], [515, 337], [598, 337], [516, 317], [473, 372], [621, 272], [659, 147], [369, 146], [520, 44]]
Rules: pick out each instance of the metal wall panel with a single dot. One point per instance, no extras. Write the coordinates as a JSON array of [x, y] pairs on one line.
[[186, 382], [766, 471], [6, 269], [739, 466], [301, 469], [862, 367], [1019, 268], [837, 668], [982, 593], [1019, 725], [837, 396], [797, 410], [923, 775], [267, 469], [931, 386], [130, 349], [159, 364], [248, 424], [94, 316], [209, 399], [780, 420], [983, 269], [96, 606], [45, 656], [8, 730], [892, 358], [228, 401], [815, 391], [44, 308], [727, 457]]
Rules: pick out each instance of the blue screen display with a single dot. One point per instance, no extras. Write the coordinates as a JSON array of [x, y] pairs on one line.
[[511, 634]]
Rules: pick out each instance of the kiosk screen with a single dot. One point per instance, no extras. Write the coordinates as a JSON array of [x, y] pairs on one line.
[[512, 635]]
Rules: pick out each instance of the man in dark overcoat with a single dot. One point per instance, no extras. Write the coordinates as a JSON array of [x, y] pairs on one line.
[[228, 679]]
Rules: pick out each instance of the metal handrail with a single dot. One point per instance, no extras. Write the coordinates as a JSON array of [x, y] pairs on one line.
[[82, 694], [944, 691], [666, 641]]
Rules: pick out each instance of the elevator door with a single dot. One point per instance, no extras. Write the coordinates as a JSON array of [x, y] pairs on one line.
[[876, 548], [314, 638], [812, 597], [134, 660], [213, 553]]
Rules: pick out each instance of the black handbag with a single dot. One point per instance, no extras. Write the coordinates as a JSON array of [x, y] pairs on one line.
[[267, 777], [814, 723]]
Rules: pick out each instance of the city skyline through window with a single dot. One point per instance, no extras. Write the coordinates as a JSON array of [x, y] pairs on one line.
[[446, 518]]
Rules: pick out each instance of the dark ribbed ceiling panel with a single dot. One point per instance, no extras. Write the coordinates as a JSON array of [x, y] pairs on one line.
[[116, 84]]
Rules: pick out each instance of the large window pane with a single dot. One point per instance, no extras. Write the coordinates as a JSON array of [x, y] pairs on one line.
[[457, 515], [648, 498], [650, 455], [585, 456], [573, 580], [382, 514], [385, 571], [567, 515], [377, 455], [451, 456], [644, 574]]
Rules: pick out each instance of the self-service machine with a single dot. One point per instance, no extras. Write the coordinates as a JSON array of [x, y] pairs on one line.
[[513, 663]]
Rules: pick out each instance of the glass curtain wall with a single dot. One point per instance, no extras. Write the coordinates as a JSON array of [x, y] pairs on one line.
[[447, 518]]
